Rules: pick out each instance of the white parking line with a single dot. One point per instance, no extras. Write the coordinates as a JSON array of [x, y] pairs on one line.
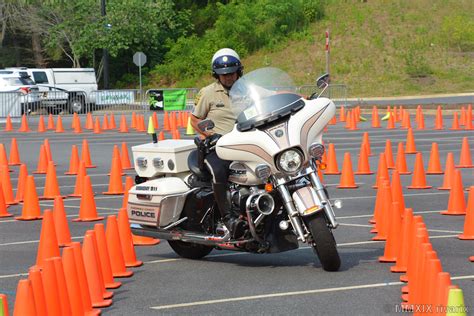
[[286, 294]]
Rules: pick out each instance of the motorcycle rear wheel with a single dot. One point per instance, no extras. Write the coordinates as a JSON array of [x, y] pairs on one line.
[[189, 250], [324, 242]]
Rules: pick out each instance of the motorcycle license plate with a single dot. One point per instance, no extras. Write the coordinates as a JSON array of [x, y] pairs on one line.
[[143, 214]]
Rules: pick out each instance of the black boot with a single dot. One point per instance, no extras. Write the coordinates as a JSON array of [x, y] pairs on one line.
[[234, 224]]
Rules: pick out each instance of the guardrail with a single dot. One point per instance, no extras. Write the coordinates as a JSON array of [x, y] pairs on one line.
[[17, 103]]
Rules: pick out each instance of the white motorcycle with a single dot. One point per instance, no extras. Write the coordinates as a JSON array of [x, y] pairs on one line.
[[275, 149]]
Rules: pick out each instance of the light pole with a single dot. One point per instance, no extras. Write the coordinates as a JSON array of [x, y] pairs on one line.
[[105, 52]]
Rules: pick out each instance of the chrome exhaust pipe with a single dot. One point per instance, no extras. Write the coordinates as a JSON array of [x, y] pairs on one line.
[[260, 202]]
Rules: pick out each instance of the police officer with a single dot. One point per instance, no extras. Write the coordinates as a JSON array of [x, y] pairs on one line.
[[212, 102]]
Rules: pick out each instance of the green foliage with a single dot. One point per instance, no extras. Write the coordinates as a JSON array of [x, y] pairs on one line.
[[241, 25], [458, 32]]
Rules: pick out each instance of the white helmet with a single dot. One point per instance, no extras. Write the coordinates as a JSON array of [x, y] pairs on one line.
[[226, 61]]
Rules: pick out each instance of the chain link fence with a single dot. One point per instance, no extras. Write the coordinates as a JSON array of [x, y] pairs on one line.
[[16, 103]]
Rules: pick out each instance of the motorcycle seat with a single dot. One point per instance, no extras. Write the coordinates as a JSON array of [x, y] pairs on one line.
[[203, 175]]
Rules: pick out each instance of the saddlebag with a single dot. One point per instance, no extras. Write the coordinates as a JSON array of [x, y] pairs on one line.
[[157, 202]]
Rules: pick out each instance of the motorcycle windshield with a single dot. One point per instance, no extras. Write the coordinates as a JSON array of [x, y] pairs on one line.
[[263, 96]]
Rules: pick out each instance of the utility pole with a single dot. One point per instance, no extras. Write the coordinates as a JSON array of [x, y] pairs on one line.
[[105, 53]]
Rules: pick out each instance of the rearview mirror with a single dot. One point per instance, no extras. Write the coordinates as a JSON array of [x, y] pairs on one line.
[[322, 81], [206, 125]]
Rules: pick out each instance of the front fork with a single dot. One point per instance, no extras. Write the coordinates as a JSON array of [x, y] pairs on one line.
[[294, 215]]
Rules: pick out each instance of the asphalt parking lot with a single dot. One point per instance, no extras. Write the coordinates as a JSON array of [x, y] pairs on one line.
[[248, 284]]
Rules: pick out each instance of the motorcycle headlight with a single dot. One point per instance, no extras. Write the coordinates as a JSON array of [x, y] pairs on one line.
[[290, 161]]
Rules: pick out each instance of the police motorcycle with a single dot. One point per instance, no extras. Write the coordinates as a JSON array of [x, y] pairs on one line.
[[275, 149]]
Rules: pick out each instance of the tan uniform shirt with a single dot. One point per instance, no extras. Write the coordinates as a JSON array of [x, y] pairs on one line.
[[212, 102]]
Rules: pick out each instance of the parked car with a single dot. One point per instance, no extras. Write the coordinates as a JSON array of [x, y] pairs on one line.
[[22, 87], [67, 88]]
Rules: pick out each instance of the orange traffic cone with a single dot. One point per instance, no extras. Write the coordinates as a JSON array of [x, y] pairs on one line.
[[349, 120], [97, 129], [24, 124], [86, 157], [332, 162], [434, 166], [74, 121], [383, 218], [91, 233], [166, 122], [41, 126], [115, 249], [125, 159], [439, 119], [50, 125], [455, 126], [410, 143], [397, 192], [64, 301], [129, 183], [389, 154], [14, 154], [155, 121], [456, 203], [72, 283], [51, 186], [82, 276], [375, 118], [35, 275], [89, 121], [391, 121], [94, 279], [126, 240], [112, 124], [400, 163], [47, 149], [116, 154], [59, 125], [468, 232], [420, 123], [402, 252], [8, 124], [6, 185], [42, 161], [88, 209], [74, 161], [393, 236], [20, 190], [419, 178], [366, 140], [115, 182], [24, 301], [123, 125], [77, 125], [3, 205], [363, 166], [465, 160], [79, 186], [161, 136], [342, 114], [382, 170], [31, 208], [448, 173], [347, 177], [103, 250], [462, 119], [48, 244], [63, 234], [144, 241], [469, 124], [3, 157]]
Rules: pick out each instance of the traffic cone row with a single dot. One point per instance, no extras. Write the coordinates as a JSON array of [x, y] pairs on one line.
[[105, 254]]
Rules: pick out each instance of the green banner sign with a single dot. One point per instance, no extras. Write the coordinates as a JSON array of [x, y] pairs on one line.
[[174, 99]]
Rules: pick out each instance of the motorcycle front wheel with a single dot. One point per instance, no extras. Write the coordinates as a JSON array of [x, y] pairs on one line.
[[189, 250], [324, 243]]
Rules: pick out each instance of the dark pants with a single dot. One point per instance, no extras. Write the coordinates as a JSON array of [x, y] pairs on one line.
[[219, 168]]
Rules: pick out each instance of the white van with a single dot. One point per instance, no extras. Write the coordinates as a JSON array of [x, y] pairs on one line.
[[68, 88]]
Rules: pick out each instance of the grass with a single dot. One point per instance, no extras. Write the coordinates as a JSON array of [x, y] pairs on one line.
[[378, 48]]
